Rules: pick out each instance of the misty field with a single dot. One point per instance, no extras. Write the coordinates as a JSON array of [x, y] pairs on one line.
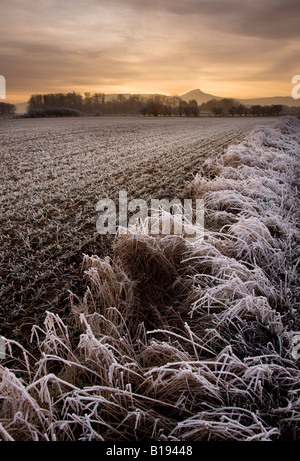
[[157, 338]]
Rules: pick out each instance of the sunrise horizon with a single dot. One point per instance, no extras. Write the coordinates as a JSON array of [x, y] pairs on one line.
[[20, 98], [229, 49]]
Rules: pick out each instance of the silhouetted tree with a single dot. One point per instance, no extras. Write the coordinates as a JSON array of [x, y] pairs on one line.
[[7, 109], [180, 110], [155, 108], [277, 108], [207, 106], [232, 110], [35, 101], [256, 110], [168, 110], [218, 111], [144, 110], [193, 102], [241, 110], [226, 103]]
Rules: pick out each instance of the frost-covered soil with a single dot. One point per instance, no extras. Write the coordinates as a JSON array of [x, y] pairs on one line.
[[174, 341], [53, 173]]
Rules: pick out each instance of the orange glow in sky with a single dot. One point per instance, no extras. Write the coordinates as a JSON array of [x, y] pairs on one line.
[[230, 49]]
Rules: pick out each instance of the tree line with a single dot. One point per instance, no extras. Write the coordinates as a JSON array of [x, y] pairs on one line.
[[98, 104], [230, 107], [180, 108], [73, 103], [7, 109], [76, 101]]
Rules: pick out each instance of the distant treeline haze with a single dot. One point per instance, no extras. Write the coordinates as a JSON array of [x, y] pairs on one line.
[[7, 109], [158, 105]]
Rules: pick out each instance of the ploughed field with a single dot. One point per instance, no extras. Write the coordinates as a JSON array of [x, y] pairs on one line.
[[53, 172]]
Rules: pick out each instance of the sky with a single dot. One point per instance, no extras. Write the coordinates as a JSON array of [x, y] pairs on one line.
[[229, 48]]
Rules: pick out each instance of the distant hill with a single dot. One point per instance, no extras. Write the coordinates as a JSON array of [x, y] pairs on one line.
[[201, 97], [284, 100]]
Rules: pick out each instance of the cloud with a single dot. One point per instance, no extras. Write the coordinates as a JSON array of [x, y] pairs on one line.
[[272, 19], [169, 44]]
